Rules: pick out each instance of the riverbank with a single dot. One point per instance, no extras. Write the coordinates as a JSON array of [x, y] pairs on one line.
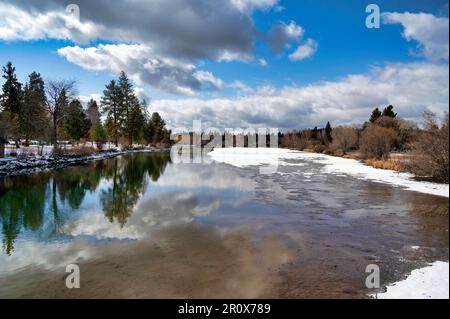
[[13, 166], [242, 157], [430, 282]]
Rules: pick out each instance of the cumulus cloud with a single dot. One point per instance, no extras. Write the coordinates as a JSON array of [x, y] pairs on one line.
[[306, 50], [282, 34], [196, 29], [430, 32], [411, 88], [160, 51], [18, 24], [139, 62]]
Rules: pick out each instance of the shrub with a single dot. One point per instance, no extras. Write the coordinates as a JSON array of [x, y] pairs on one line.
[[345, 138], [431, 150], [319, 148], [406, 130], [377, 141]]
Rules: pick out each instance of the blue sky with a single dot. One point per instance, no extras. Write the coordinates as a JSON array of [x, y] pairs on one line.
[[344, 47]]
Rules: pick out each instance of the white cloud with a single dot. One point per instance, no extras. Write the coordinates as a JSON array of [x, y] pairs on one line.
[[201, 29], [411, 88], [209, 78], [282, 35], [429, 31], [241, 86], [306, 50], [262, 62], [17, 24], [249, 5], [292, 30], [139, 62]]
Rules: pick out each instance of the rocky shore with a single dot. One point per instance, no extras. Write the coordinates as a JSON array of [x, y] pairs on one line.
[[15, 166]]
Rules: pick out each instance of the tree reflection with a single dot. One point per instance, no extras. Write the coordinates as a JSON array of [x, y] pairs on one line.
[[128, 182], [22, 205], [28, 202]]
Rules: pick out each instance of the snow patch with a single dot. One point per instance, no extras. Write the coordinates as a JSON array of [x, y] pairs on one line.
[[245, 157], [430, 282]]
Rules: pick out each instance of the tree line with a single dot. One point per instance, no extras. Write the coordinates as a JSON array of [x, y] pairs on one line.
[[49, 111], [383, 133]]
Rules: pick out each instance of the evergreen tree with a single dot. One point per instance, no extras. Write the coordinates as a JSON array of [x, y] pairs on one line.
[[328, 131], [33, 117], [389, 112], [11, 98], [376, 114], [97, 133], [154, 130], [111, 105], [128, 102], [93, 112], [136, 123], [76, 122]]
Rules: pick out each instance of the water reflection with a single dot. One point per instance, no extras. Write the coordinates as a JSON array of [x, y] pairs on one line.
[[164, 225], [22, 205], [48, 200]]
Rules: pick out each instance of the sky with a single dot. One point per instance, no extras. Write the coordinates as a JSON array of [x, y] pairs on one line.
[[286, 64]]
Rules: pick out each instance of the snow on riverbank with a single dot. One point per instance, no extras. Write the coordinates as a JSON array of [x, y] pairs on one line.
[[244, 157], [13, 166], [430, 282]]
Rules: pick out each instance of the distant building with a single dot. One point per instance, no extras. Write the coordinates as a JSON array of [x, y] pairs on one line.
[[3, 142]]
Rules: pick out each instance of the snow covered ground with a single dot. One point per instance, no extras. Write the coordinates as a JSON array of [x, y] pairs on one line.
[[32, 164], [244, 157], [430, 282], [33, 150]]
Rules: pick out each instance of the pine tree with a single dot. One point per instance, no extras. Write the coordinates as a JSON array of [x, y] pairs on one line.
[[11, 98], [136, 121], [128, 101], [93, 112], [97, 133], [76, 122], [328, 131], [389, 112], [111, 105], [376, 114], [33, 116], [154, 130]]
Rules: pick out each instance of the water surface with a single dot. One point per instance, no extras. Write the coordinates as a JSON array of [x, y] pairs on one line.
[[141, 226]]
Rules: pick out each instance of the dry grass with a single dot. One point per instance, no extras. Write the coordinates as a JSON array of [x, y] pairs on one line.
[[352, 155], [384, 164]]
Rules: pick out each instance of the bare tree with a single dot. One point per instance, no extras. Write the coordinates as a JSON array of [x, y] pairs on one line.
[[431, 150], [378, 141], [344, 138], [59, 93]]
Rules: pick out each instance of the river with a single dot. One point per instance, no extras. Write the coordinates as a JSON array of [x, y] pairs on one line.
[[142, 226]]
